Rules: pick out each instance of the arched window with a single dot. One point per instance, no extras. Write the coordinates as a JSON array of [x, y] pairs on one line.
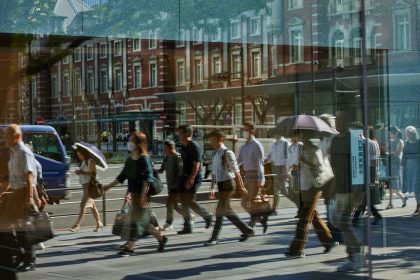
[[337, 46]]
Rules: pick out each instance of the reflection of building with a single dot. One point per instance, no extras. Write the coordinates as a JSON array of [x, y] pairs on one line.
[[304, 58]]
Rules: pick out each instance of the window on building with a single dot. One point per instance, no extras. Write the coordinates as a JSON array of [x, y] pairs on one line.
[[77, 55], [137, 75], [117, 48], [119, 111], [236, 66], [256, 64], [153, 74], [296, 45], [180, 72], [238, 113], [182, 109], [103, 83], [153, 39], [54, 86], [89, 52], [216, 36], [197, 35], [198, 70], [180, 42], [295, 4], [137, 44], [357, 50], [118, 79], [77, 82], [104, 115], [402, 30], [92, 126], [217, 65], [66, 60], [255, 26], [103, 50], [235, 29], [90, 82], [373, 42], [66, 84]]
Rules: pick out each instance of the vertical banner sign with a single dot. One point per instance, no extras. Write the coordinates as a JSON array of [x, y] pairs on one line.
[[357, 157]]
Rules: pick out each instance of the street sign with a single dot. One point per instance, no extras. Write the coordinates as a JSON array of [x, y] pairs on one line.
[[40, 121]]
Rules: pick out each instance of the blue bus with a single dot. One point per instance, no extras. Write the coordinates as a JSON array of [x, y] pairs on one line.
[[51, 153]]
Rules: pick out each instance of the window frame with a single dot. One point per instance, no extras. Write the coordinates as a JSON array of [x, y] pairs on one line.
[[239, 29], [137, 81], [118, 50], [154, 75]]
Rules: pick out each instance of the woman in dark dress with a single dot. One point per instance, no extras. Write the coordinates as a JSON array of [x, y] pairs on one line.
[[411, 165], [139, 173]]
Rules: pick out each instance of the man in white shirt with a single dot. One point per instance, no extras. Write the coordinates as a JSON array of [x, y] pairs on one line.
[[227, 177], [278, 157]]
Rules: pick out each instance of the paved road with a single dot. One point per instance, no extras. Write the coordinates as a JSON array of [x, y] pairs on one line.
[[88, 255]]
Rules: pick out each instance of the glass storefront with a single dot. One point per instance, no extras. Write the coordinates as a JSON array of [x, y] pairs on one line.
[[96, 70]]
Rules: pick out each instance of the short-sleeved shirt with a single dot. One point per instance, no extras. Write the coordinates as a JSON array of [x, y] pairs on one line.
[[22, 162], [136, 172], [172, 164], [190, 153]]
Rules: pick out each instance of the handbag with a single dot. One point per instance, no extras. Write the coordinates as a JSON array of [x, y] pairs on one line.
[[36, 228], [323, 174], [157, 186], [119, 220], [95, 189]]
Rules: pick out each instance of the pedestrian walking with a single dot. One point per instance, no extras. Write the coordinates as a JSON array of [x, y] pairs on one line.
[[311, 159], [226, 175], [278, 157], [293, 166], [251, 157], [87, 169], [190, 180], [411, 165], [396, 154], [172, 165], [374, 156], [22, 177], [347, 196], [138, 171]]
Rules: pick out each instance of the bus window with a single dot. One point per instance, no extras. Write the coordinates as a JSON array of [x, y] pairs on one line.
[[45, 144]]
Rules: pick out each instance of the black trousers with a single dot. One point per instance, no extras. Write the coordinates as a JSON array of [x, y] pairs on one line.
[[224, 209], [8, 250]]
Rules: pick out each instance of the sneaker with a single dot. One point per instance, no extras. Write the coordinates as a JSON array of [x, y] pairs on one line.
[[162, 244], [211, 242], [126, 252], [294, 255], [39, 246], [354, 264], [167, 227], [185, 231]]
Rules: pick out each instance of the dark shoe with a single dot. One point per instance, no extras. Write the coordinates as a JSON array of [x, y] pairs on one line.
[[126, 253], [245, 236], [264, 224], [211, 242], [376, 220], [330, 247], [417, 212], [404, 202], [209, 221], [185, 231], [162, 244], [274, 213], [294, 255], [27, 267]]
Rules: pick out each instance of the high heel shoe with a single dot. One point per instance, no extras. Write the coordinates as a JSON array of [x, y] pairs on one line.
[[74, 229], [99, 227]]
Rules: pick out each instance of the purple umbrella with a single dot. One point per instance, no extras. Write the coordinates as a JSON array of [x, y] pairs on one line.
[[94, 153], [303, 122]]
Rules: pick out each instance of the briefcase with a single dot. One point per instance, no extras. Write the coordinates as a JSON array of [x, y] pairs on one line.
[[35, 229]]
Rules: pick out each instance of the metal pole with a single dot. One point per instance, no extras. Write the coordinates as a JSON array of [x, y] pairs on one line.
[[104, 209], [31, 120], [242, 84], [366, 133]]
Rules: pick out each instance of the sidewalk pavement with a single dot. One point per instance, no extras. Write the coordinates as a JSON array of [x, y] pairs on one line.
[[89, 255]]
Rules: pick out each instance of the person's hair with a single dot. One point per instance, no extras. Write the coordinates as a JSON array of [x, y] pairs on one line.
[[372, 134], [169, 143], [84, 153], [250, 125], [413, 130], [186, 129], [216, 134], [141, 141], [395, 130]]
